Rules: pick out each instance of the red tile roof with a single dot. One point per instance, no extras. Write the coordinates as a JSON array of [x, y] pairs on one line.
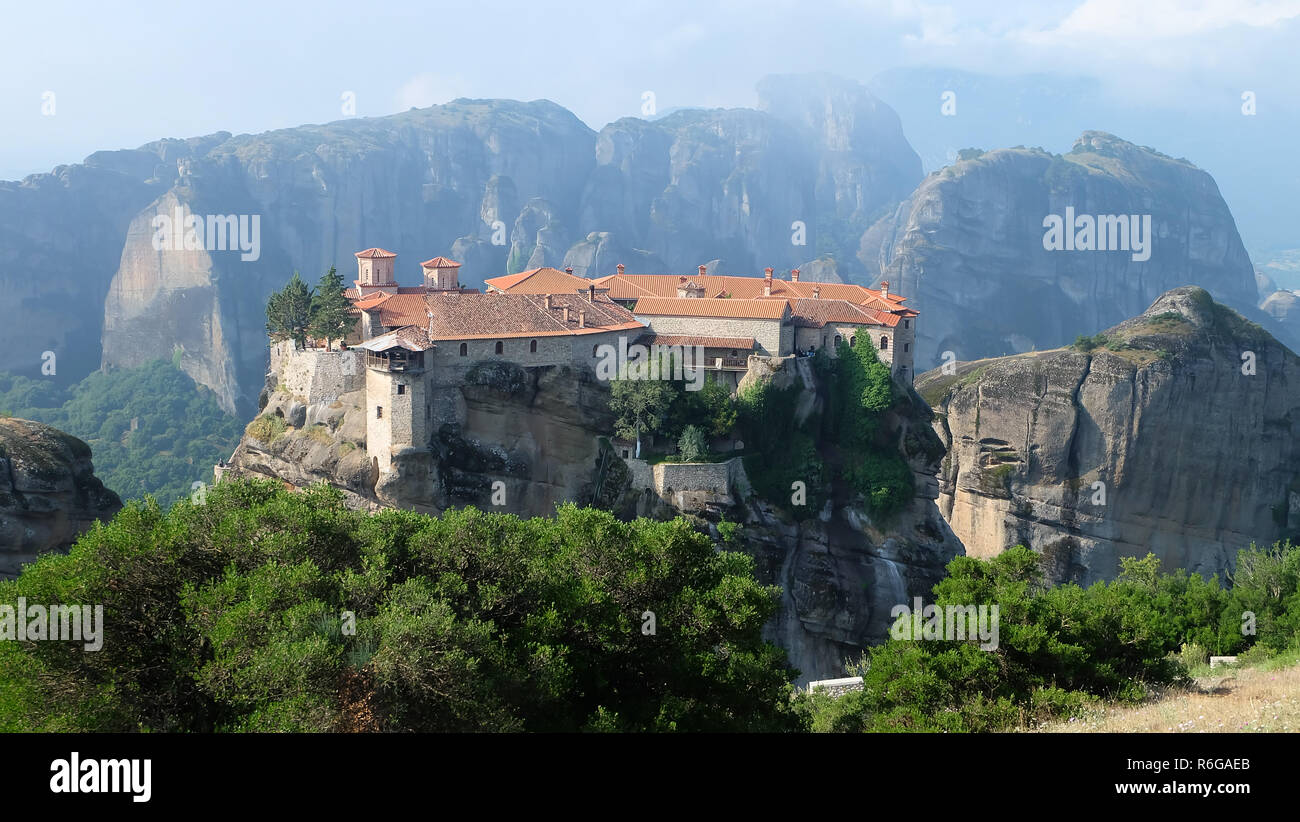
[[492, 316], [543, 280], [440, 262], [374, 253]]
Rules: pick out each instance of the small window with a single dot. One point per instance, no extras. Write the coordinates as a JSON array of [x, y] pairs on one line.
[[907, 323], [379, 412], [838, 339], [907, 347], [532, 346], [884, 343], [594, 349], [401, 389], [733, 352], [501, 347], [464, 349], [853, 341]]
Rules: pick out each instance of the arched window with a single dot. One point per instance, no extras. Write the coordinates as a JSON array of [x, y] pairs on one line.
[[837, 339], [501, 347], [884, 343], [907, 323], [464, 349], [853, 341], [532, 346]]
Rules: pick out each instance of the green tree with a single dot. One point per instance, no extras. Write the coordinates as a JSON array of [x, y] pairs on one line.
[[330, 317], [639, 405], [691, 446], [288, 312], [266, 610]]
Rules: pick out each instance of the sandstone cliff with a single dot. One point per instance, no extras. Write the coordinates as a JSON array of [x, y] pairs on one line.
[[1179, 434], [49, 494], [967, 247], [501, 185], [539, 432]]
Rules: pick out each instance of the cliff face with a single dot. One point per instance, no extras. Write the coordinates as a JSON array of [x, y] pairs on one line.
[[537, 431], [967, 248], [501, 185], [1157, 441], [49, 493]]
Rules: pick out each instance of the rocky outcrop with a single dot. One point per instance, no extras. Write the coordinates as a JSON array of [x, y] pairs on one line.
[[1178, 434], [49, 493], [501, 185], [968, 247], [524, 439]]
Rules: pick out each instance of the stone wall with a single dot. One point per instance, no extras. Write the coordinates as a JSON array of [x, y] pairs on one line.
[[316, 375], [770, 335]]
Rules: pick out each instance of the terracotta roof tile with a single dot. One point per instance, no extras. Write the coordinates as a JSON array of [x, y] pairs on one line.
[[543, 280], [374, 253], [476, 316], [440, 262]]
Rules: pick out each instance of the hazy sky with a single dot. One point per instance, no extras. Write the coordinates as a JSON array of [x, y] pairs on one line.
[[132, 73]]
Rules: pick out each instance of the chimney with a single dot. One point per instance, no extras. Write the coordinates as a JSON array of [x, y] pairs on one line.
[[767, 282], [569, 270], [566, 315], [703, 270], [620, 269], [884, 288], [794, 275], [591, 293], [546, 301], [817, 292], [582, 318]]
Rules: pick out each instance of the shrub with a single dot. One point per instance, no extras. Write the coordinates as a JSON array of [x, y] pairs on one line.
[[691, 446]]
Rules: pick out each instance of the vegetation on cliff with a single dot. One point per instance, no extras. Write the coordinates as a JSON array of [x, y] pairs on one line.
[[152, 429], [263, 609], [1061, 648]]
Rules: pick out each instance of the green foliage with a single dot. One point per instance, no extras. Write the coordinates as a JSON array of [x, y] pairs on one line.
[[639, 406], [229, 615], [1085, 343], [181, 431], [267, 428], [781, 454], [330, 317], [863, 392], [691, 446], [1061, 648], [288, 312]]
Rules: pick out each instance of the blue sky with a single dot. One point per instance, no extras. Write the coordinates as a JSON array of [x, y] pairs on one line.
[[124, 76]]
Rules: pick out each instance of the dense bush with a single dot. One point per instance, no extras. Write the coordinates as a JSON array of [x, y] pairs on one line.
[[230, 616], [1060, 648], [863, 392]]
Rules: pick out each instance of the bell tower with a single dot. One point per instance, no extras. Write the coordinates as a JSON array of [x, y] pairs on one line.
[[375, 271], [441, 274]]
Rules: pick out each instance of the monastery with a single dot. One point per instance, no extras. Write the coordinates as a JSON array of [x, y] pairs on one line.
[[413, 342]]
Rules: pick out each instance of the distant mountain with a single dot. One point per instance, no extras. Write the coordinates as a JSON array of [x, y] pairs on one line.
[[970, 247], [497, 184]]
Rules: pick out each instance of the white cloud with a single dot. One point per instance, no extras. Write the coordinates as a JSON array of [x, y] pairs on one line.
[[1166, 19]]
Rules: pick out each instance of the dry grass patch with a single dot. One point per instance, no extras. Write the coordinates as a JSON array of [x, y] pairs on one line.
[[1238, 700]]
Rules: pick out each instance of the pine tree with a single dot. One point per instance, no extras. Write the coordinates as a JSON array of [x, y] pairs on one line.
[[288, 312], [330, 317]]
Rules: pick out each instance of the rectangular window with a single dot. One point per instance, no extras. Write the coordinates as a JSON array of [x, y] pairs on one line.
[[401, 389], [907, 347], [379, 412]]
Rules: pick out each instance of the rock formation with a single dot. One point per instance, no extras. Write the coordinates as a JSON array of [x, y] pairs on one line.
[[49, 493], [1178, 434], [538, 432], [500, 185], [967, 247]]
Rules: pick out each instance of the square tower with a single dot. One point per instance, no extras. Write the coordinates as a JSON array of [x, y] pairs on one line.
[[441, 274], [375, 271]]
